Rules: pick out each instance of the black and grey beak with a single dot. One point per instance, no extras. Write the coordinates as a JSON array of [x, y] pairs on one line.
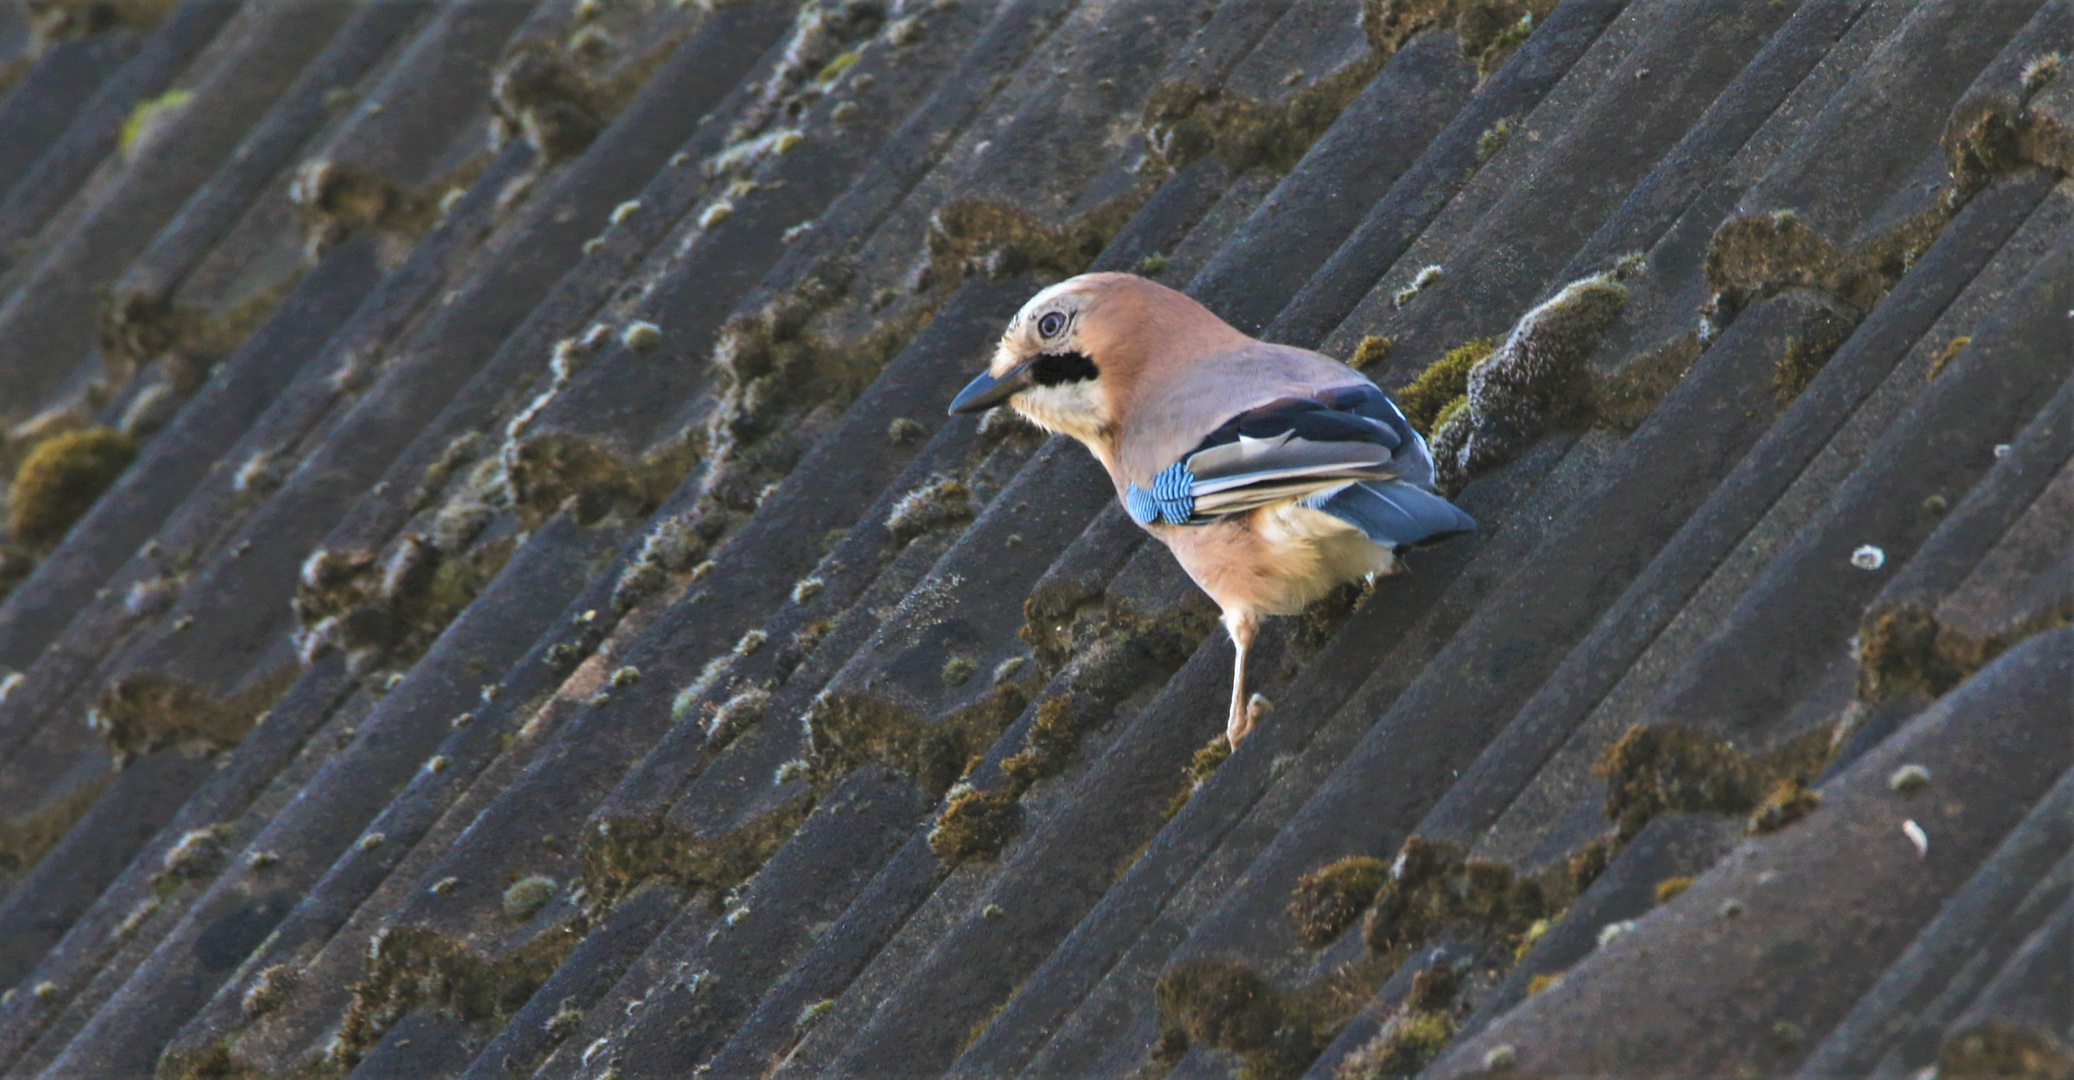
[[987, 391]]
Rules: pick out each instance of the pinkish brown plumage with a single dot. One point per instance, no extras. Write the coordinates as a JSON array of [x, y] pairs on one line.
[[1272, 473]]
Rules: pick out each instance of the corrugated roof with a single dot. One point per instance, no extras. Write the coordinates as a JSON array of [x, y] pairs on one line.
[[491, 589]]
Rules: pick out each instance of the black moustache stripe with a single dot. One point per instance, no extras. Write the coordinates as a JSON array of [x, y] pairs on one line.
[[1052, 369]]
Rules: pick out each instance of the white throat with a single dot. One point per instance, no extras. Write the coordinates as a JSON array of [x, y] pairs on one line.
[[1073, 408]]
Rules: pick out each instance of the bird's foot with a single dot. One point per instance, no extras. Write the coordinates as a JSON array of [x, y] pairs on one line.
[[1244, 717]]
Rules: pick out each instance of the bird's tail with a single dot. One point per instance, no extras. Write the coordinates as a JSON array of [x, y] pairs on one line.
[[1397, 513]]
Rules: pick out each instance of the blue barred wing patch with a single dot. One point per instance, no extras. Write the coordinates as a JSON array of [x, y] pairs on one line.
[[1168, 501]]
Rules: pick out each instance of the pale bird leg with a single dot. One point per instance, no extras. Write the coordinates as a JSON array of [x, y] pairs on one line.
[[1241, 624]]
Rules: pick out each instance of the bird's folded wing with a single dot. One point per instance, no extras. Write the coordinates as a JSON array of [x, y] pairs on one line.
[[1291, 448], [1237, 464], [1242, 499]]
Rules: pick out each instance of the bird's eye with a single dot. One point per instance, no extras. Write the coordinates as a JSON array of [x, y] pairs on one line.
[[1051, 324]]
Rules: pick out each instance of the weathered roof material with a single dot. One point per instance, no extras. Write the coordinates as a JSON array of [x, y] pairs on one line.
[[549, 627]]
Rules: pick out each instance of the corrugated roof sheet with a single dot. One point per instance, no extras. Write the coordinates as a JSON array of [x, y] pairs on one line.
[[490, 588]]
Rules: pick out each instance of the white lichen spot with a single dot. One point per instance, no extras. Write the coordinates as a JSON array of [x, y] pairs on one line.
[[2041, 70], [904, 430], [708, 676], [735, 716], [625, 210], [1006, 669], [1918, 837], [256, 476], [1424, 280], [1909, 779], [150, 596], [716, 213], [938, 501], [1501, 1056], [1612, 930], [813, 1012], [1868, 557], [806, 589], [196, 853]]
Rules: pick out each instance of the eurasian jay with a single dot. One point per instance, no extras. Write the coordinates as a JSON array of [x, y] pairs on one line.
[[1273, 473]]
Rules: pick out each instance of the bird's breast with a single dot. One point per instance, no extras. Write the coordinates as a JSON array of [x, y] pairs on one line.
[[1275, 560]]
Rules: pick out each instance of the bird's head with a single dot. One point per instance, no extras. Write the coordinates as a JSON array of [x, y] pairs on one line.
[[1077, 356]]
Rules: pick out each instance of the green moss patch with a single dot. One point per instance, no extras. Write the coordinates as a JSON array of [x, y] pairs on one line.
[[1441, 387], [24, 840], [61, 478], [544, 471], [143, 712], [635, 850], [1372, 351], [149, 115], [975, 825], [1054, 738], [1804, 357], [525, 897], [1626, 398], [1329, 899], [1995, 1051], [1950, 352], [847, 729], [1788, 801], [1493, 140], [1219, 1002], [1656, 770], [413, 969], [1405, 1045], [1224, 1003], [1200, 768], [1431, 889]]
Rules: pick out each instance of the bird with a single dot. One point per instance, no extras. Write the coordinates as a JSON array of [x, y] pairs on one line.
[[1274, 474]]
